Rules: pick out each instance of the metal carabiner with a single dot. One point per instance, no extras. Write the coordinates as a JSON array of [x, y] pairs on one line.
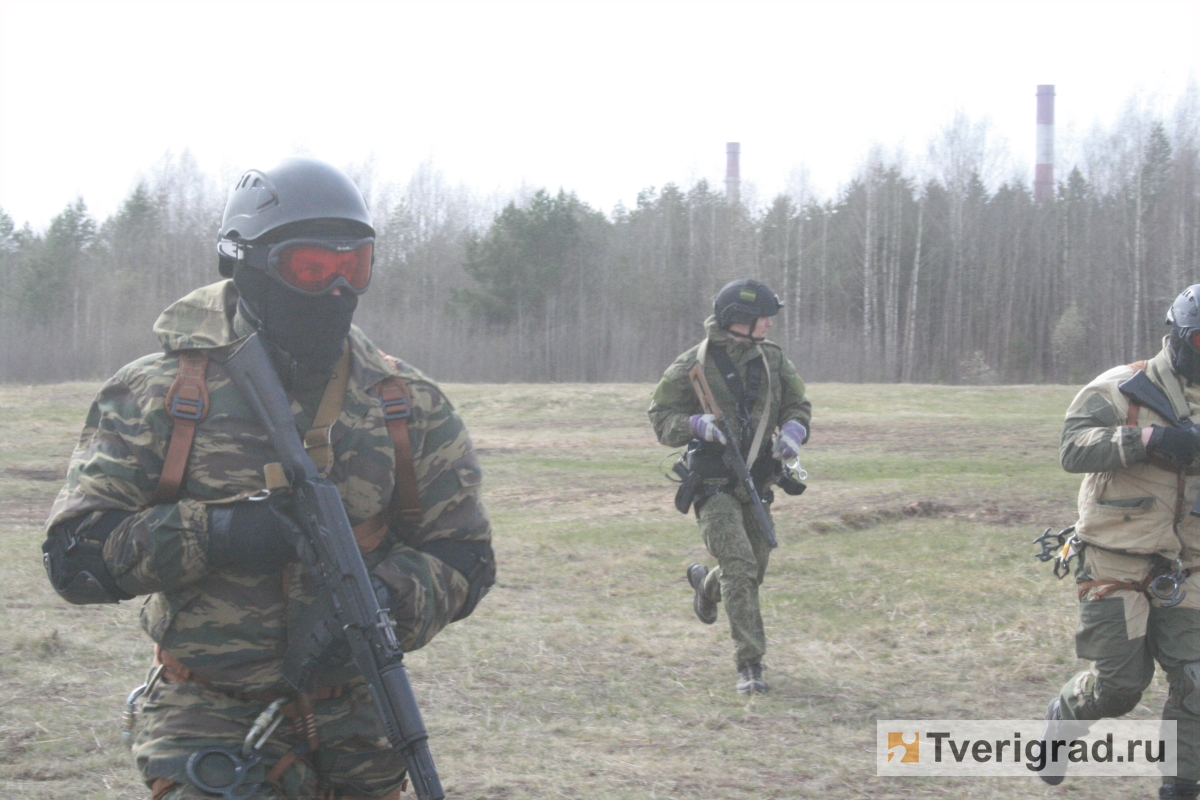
[[129, 715], [1070, 549], [1176, 578], [266, 723], [793, 466], [1060, 548], [241, 770]]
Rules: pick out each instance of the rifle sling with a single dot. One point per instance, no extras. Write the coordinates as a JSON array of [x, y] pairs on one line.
[[318, 440], [397, 407], [719, 355]]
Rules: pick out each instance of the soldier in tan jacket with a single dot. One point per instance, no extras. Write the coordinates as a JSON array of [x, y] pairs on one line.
[[1141, 480]]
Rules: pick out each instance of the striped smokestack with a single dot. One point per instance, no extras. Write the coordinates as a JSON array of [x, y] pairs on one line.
[[733, 179], [1043, 178]]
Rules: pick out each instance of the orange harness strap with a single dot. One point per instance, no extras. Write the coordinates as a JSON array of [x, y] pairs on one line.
[[397, 407], [1111, 585], [405, 503], [187, 405]]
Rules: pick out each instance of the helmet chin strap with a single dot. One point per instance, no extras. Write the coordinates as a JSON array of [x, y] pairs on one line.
[[749, 335]]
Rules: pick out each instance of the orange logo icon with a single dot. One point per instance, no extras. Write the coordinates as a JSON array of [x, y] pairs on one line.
[[912, 749]]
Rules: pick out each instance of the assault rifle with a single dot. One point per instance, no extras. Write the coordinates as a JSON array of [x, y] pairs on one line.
[[1141, 390], [346, 606], [733, 453]]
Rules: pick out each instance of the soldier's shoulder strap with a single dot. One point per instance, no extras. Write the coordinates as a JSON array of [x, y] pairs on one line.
[[393, 392], [404, 507], [187, 405]]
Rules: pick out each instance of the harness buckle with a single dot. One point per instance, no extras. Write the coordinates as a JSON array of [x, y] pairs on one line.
[[185, 408], [397, 408], [318, 437]]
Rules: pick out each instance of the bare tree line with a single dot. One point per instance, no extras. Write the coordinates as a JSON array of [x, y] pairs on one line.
[[939, 272]]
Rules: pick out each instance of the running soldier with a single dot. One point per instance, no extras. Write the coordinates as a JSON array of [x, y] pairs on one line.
[[759, 393]]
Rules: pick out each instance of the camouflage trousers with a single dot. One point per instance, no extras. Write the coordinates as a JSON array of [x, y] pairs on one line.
[[733, 538], [1123, 632], [352, 758]]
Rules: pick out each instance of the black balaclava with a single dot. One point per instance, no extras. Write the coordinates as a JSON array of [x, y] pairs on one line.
[[308, 328], [1184, 360]]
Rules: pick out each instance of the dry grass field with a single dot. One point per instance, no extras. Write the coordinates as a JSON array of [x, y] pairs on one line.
[[903, 587]]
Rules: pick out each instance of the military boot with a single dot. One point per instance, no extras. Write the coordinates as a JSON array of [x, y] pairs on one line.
[[750, 680], [1053, 715], [706, 609], [1178, 789]]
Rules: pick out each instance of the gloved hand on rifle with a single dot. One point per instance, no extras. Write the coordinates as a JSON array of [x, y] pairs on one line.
[[787, 443], [1176, 445], [259, 536], [704, 426]]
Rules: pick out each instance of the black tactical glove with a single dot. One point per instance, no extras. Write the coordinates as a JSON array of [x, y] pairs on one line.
[[259, 536], [1176, 445]]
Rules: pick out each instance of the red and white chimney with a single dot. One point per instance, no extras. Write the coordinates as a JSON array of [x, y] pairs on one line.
[[1043, 178]]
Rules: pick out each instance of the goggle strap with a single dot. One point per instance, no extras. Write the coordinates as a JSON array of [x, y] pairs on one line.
[[255, 256]]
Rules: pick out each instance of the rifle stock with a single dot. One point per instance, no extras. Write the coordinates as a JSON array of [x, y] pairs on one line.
[[733, 454], [348, 606]]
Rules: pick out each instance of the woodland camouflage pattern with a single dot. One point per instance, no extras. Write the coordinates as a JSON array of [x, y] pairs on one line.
[[726, 523], [226, 625]]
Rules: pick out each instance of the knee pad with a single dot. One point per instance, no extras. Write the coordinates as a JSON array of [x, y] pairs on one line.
[[1098, 699], [1185, 687]]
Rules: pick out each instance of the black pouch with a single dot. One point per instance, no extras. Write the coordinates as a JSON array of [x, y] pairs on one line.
[[792, 486], [690, 481], [703, 470]]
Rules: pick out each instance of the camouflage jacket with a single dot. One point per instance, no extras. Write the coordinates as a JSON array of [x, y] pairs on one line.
[[1128, 501], [225, 624], [674, 401]]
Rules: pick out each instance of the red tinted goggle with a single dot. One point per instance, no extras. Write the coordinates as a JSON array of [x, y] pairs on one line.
[[1193, 338], [310, 266]]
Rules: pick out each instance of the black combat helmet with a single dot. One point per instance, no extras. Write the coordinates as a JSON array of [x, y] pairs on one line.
[[297, 190], [298, 242], [1184, 318], [743, 301]]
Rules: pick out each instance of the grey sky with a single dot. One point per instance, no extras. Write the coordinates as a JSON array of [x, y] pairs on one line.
[[603, 100]]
